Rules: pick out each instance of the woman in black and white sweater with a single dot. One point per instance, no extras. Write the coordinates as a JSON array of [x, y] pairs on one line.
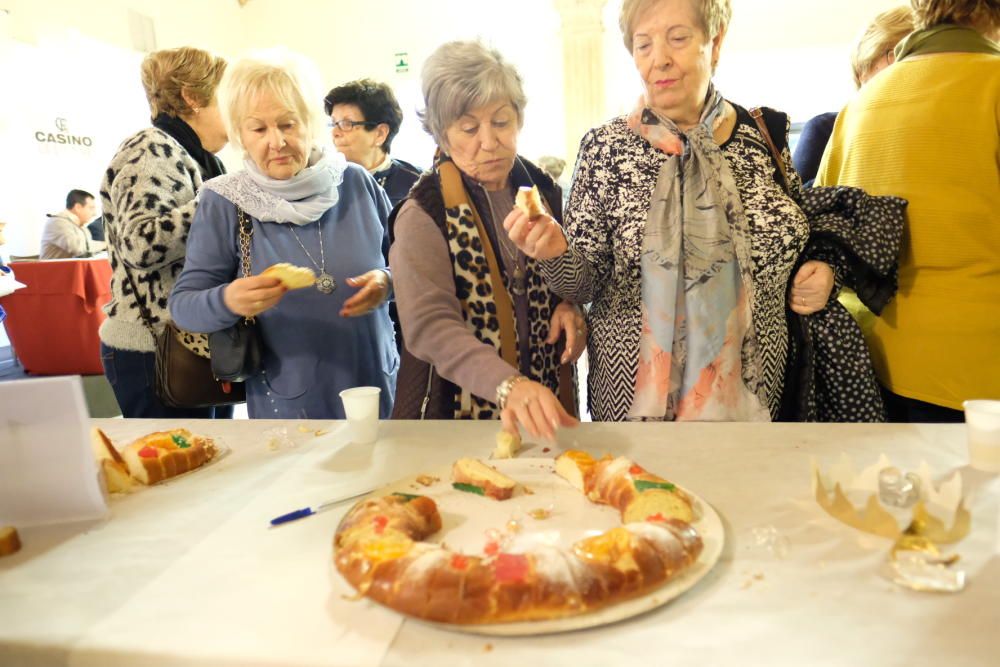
[[149, 198]]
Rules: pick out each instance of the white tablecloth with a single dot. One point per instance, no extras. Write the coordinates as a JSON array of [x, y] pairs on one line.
[[188, 573]]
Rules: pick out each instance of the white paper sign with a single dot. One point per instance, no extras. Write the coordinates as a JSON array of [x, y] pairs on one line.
[[47, 470]]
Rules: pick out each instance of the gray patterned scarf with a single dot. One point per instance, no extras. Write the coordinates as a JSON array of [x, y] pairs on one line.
[[697, 352]]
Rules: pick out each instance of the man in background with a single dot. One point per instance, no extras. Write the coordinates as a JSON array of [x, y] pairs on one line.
[[66, 234]]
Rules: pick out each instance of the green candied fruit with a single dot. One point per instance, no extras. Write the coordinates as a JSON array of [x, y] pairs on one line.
[[644, 485], [406, 496], [469, 488], [180, 441]]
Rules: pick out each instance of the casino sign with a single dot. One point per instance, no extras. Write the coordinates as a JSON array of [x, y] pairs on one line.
[[62, 136]]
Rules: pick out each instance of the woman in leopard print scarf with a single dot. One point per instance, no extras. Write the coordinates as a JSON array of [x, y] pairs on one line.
[[483, 335]]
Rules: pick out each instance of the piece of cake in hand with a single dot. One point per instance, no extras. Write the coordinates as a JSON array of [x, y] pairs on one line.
[[293, 277], [508, 444], [529, 201], [474, 476], [115, 472], [159, 456]]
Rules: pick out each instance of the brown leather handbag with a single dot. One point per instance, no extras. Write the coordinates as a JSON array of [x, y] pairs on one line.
[[185, 379]]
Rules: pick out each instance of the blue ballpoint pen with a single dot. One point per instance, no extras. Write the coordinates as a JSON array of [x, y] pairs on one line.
[[309, 511]]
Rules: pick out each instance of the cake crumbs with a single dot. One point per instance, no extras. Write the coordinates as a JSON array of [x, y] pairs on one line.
[[321, 431], [304, 429], [488, 648], [427, 480], [546, 450]]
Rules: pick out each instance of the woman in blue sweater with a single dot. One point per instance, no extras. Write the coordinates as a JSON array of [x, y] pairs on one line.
[[308, 207]]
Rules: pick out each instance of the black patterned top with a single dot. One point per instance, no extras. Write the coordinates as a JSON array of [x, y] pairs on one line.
[[615, 175]]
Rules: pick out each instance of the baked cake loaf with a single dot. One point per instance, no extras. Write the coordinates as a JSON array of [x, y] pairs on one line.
[[625, 485], [115, 473], [381, 548], [164, 454]]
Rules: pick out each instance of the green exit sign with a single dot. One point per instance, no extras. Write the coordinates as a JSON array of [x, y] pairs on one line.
[[402, 61]]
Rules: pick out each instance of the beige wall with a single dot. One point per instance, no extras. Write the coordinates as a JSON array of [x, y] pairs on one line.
[[790, 54]]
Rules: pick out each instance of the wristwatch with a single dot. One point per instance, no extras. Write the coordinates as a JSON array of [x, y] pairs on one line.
[[505, 387]]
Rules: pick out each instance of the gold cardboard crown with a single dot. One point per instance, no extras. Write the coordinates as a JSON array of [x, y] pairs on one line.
[[940, 515]]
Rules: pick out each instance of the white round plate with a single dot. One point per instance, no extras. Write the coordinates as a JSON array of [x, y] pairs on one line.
[[466, 517]]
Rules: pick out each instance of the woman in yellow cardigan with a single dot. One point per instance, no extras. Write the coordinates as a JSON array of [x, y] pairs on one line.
[[926, 130]]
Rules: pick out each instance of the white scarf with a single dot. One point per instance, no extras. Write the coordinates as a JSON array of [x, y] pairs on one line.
[[300, 200]]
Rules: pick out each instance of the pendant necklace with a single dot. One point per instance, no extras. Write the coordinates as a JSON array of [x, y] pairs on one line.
[[517, 280], [325, 282]]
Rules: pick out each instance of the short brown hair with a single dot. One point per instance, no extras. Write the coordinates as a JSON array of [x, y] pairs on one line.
[[982, 15], [714, 16], [166, 74], [878, 39]]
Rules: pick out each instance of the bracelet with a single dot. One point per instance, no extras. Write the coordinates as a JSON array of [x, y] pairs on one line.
[[505, 387]]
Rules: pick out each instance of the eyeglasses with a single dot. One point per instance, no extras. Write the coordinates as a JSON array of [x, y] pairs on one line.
[[347, 125]]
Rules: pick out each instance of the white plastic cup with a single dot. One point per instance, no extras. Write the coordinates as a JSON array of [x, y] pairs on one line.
[[982, 424], [361, 410]]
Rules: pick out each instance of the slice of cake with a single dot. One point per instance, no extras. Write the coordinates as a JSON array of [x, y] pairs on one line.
[[575, 467], [508, 444], [165, 454], [474, 476], [115, 473]]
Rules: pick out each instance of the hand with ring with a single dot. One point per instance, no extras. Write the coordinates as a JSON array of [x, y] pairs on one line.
[[252, 296], [811, 288], [533, 406], [568, 319]]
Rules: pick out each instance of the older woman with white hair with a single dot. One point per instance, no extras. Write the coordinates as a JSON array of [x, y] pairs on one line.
[[685, 231], [308, 207], [482, 332]]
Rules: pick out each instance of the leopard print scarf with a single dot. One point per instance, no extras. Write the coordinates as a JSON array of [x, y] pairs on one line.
[[486, 305]]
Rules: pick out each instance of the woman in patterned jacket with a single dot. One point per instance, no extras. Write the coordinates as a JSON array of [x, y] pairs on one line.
[[481, 330], [683, 238], [148, 197]]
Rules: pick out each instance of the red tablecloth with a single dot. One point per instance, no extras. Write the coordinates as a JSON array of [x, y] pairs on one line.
[[52, 323]]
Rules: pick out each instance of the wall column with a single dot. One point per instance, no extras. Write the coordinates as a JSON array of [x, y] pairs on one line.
[[583, 69]]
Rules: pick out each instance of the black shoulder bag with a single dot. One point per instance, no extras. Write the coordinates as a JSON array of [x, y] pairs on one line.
[[236, 351]]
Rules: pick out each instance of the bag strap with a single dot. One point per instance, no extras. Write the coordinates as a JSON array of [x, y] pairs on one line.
[[244, 235], [758, 115]]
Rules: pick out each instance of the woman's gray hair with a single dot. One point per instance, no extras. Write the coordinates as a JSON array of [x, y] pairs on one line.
[[461, 76]]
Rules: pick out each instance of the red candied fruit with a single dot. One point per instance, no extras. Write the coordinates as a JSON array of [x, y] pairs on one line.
[[148, 452], [636, 469], [380, 521], [459, 562], [492, 548], [657, 517], [511, 567]]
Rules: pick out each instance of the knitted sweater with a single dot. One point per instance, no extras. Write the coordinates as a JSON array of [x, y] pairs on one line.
[[926, 130], [148, 197]]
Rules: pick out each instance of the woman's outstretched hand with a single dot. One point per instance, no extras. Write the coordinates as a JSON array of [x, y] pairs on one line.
[[533, 406], [541, 238], [374, 290]]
